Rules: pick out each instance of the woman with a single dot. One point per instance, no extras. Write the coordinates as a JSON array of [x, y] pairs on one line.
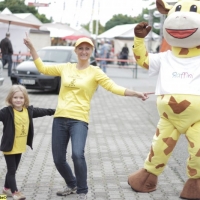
[[79, 81]]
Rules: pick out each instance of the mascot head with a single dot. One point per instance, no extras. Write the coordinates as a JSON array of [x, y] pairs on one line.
[[181, 28]]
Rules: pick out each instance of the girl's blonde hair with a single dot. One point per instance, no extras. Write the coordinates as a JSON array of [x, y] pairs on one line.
[[13, 90]]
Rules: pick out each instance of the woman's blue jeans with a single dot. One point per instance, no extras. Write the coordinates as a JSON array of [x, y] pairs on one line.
[[63, 130]]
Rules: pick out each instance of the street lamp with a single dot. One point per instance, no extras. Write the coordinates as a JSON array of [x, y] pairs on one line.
[[153, 12], [149, 17]]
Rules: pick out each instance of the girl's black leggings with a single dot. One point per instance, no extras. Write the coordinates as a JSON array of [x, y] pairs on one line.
[[12, 162]]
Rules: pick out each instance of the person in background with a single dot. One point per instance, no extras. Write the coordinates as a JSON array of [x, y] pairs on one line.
[[79, 82], [103, 55], [95, 52], [124, 55], [18, 131], [7, 51]]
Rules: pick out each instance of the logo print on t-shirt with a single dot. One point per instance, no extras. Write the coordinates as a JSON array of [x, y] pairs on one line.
[[72, 84], [182, 75], [23, 131]]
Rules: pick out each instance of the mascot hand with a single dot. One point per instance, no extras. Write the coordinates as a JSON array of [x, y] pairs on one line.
[[142, 30]]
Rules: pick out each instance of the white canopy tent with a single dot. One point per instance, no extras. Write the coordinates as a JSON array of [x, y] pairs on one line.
[[60, 30], [29, 17], [11, 19], [20, 24], [124, 34], [118, 30]]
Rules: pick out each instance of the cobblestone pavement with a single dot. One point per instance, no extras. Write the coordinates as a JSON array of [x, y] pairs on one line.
[[120, 134]]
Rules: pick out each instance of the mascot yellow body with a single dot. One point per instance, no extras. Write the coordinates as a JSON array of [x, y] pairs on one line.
[[178, 94]]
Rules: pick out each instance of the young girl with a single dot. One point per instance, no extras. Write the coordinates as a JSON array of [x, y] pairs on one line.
[[18, 131]]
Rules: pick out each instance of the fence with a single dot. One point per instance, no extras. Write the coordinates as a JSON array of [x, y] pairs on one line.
[[18, 58], [117, 63], [112, 62]]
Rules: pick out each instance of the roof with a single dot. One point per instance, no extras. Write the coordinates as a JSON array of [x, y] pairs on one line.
[[125, 31], [14, 20], [60, 30], [29, 17], [6, 11], [6, 16], [84, 31], [60, 47], [56, 25], [117, 31]]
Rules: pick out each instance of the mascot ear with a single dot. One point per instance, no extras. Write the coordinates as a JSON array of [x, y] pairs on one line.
[[163, 7]]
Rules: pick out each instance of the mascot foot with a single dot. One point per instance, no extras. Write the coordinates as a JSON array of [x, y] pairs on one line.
[[143, 181], [191, 189]]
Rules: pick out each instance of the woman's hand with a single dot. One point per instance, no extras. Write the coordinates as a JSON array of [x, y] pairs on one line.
[[141, 95], [29, 44]]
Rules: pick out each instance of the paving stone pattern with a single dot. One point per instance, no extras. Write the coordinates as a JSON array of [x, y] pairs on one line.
[[119, 138]]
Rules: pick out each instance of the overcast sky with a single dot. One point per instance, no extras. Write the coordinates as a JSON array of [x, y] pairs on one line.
[[74, 12]]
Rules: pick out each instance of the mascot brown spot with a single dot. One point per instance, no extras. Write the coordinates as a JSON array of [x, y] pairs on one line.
[[145, 65], [160, 166], [184, 51], [178, 107], [198, 154], [165, 115], [190, 143], [151, 154], [170, 143], [157, 132], [192, 172], [136, 57]]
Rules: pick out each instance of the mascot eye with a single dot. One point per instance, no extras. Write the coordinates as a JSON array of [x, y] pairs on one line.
[[193, 8], [178, 8]]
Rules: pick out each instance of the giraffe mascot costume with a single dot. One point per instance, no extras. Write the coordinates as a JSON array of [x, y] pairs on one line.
[[178, 94]]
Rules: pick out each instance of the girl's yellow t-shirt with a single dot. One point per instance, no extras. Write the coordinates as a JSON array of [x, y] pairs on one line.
[[21, 121]]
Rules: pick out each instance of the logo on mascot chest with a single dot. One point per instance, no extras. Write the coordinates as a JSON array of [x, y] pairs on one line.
[[182, 75]]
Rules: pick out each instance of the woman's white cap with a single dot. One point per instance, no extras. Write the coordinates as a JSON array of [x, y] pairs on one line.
[[84, 39]]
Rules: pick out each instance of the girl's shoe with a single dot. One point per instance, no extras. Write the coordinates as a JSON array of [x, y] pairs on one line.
[[7, 192], [18, 196]]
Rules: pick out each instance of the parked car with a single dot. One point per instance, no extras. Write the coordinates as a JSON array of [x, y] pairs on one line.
[[1, 74], [27, 74]]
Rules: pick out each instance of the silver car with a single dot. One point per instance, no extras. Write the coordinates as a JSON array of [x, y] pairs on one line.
[[1, 73], [27, 74]]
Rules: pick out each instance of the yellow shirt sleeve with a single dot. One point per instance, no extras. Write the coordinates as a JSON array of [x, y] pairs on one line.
[[108, 84], [52, 70], [140, 53]]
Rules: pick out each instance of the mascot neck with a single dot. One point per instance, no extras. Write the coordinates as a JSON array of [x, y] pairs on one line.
[[186, 52]]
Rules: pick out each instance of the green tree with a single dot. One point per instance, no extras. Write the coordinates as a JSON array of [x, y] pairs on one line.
[[118, 20], [43, 18], [18, 6], [124, 19]]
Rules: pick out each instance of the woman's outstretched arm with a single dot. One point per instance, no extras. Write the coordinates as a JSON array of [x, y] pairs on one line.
[[141, 95]]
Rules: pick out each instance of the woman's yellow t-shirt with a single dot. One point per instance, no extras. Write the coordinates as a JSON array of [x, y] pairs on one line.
[[77, 88], [21, 121]]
